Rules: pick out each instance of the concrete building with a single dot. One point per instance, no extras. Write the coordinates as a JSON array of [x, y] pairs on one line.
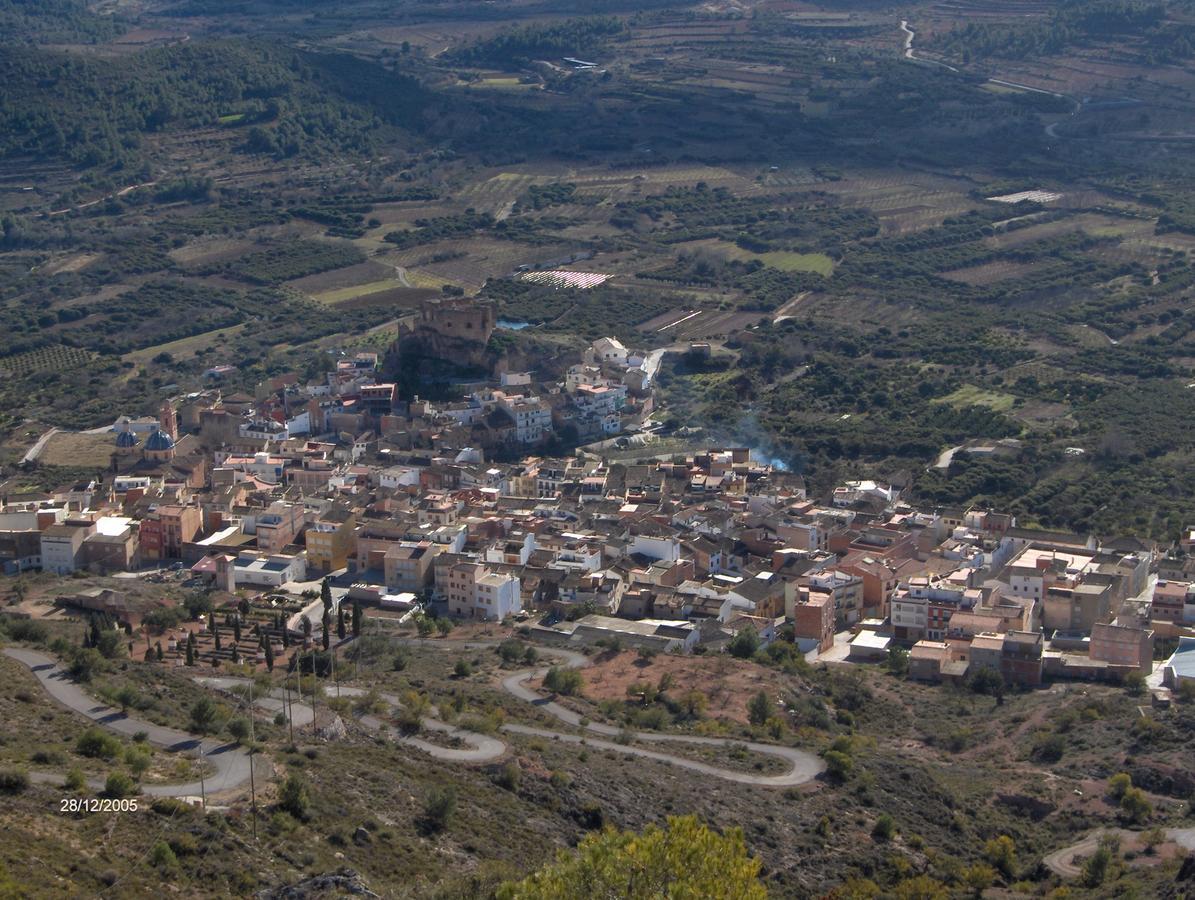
[[278, 526], [408, 566], [62, 546], [813, 623], [1180, 668], [269, 570], [1123, 646], [475, 592], [166, 529], [331, 538]]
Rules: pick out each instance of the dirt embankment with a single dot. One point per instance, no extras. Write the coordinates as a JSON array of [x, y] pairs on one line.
[[728, 683]]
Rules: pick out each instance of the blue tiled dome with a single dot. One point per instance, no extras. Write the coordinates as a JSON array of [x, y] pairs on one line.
[[159, 440], [126, 439]]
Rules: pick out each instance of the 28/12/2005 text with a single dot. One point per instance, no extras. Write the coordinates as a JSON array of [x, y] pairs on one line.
[[87, 805]]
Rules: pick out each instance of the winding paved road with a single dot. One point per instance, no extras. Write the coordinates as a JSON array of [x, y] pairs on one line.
[[232, 762]]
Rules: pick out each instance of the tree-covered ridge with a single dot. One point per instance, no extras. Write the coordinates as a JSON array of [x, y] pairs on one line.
[[1075, 23], [53, 22], [91, 111], [519, 46]]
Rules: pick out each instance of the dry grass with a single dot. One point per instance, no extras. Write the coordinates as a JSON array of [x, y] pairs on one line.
[[77, 450]]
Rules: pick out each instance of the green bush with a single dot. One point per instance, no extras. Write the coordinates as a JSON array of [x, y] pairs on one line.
[[295, 798], [438, 809], [838, 764], [98, 744], [884, 829], [162, 857], [565, 681], [118, 785]]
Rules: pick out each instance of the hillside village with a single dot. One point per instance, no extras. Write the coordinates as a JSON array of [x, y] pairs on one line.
[[454, 508]]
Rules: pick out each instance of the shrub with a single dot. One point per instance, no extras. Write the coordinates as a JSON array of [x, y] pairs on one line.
[[511, 651], [439, 809], [1001, 853], [564, 681], [294, 797], [1134, 684], [744, 644], [204, 713], [238, 728], [838, 764], [508, 776], [760, 708], [1095, 870], [13, 781], [162, 857], [26, 630], [75, 780], [462, 669], [98, 744], [137, 758], [118, 785], [987, 681], [85, 663], [685, 859], [1118, 784], [1048, 748], [884, 828], [1135, 805]]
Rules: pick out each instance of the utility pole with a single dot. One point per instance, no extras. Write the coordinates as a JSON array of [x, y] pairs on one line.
[[290, 709], [314, 689], [335, 678], [252, 780], [202, 778]]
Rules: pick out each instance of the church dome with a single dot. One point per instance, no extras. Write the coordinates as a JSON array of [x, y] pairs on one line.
[[126, 440], [159, 441]]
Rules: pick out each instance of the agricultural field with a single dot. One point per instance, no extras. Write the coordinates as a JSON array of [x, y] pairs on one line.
[[970, 395]]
